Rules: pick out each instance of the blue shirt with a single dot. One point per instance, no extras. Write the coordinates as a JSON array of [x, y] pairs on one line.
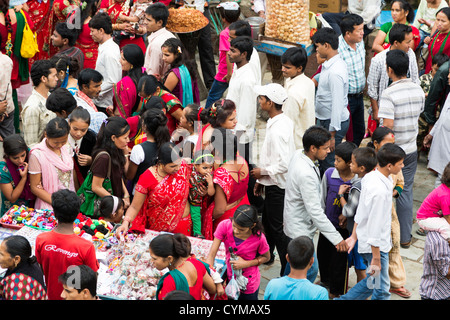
[[332, 91], [286, 288]]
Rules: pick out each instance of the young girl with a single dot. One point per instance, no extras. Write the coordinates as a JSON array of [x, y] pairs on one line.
[[82, 140], [181, 77], [201, 179], [434, 212], [111, 209], [68, 70], [243, 234], [112, 139], [14, 183], [154, 123], [150, 86], [190, 121], [51, 163]]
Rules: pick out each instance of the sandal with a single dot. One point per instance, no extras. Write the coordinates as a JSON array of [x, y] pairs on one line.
[[405, 245], [421, 232], [402, 292]]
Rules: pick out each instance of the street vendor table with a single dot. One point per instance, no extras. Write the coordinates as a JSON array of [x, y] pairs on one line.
[[277, 47]]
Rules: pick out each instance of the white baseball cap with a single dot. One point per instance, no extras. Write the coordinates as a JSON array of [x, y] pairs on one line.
[[230, 5], [274, 91]]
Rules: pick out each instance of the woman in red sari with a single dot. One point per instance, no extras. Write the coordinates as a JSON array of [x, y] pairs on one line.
[[439, 42], [231, 182], [161, 194], [85, 43], [40, 12], [114, 8]]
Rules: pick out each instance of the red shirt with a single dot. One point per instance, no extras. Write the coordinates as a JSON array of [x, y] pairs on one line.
[[55, 252]]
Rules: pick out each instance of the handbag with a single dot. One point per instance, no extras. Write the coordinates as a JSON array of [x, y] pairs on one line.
[[90, 201], [29, 46]]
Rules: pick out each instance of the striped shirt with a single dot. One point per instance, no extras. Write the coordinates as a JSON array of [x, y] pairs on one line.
[[436, 263], [356, 65], [403, 101], [378, 79]]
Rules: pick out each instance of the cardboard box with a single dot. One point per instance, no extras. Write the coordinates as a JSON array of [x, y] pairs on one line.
[[321, 6]]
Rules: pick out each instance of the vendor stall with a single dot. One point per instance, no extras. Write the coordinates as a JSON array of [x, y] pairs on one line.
[[286, 25], [126, 271]]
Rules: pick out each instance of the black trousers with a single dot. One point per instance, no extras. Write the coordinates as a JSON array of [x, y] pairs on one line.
[[206, 53], [245, 150], [333, 265], [272, 220]]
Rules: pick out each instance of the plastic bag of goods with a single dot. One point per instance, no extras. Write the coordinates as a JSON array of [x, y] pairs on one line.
[[288, 20]]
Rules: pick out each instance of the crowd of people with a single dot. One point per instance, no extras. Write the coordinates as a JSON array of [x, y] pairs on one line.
[[107, 121]]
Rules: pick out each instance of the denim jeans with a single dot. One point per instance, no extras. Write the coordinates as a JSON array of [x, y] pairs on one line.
[[377, 287], [329, 160], [216, 92], [312, 272]]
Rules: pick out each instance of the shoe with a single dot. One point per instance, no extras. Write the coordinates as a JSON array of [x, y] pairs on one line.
[[402, 292], [405, 245], [421, 232]]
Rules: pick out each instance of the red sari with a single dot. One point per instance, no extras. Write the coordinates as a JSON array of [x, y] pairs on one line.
[[114, 8], [40, 13], [88, 46], [165, 202], [235, 192], [172, 105], [440, 43]]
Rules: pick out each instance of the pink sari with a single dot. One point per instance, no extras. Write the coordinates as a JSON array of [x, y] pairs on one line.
[[56, 172], [125, 96]]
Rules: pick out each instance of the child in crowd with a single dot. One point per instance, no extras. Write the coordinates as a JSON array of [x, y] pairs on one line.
[[364, 160], [68, 248], [85, 289], [397, 272], [425, 80], [434, 212], [191, 124], [299, 106], [181, 78], [153, 123], [372, 226], [51, 163], [243, 236], [82, 140], [333, 264], [111, 209], [295, 286], [230, 12], [200, 186], [14, 182]]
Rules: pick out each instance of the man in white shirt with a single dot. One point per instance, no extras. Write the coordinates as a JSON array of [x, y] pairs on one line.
[[299, 106], [35, 115], [241, 91], [372, 228], [274, 159], [331, 95], [243, 28], [108, 60], [303, 214], [156, 16]]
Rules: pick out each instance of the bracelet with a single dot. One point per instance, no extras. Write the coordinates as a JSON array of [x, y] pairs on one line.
[[259, 261], [127, 219], [340, 196]]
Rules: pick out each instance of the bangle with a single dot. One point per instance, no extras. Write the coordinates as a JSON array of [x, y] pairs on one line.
[[259, 261], [127, 219], [127, 196], [339, 196]]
